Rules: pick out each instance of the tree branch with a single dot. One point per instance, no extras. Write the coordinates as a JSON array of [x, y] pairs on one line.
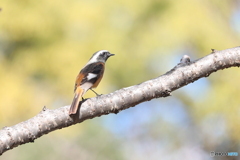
[[184, 73]]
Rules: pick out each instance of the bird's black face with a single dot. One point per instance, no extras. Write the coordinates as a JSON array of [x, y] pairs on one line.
[[100, 56], [105, 55]]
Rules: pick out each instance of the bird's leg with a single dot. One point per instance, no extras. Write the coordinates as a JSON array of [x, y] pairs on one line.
[[95, 92]]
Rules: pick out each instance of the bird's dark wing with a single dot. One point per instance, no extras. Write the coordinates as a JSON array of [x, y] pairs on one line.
[[91, 73]]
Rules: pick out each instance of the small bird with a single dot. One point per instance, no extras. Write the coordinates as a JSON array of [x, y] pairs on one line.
[[89, 77]]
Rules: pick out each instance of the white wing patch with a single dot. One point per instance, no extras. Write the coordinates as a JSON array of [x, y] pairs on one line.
[[91, 76]]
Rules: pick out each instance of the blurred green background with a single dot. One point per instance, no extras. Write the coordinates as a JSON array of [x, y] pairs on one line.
[[44, 44]]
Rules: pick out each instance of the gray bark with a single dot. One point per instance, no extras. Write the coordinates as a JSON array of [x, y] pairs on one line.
[[182, 74]]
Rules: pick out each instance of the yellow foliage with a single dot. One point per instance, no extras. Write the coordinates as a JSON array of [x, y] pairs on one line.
[[44, 44]]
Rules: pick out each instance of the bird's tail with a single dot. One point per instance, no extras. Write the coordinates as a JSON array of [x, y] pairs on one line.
[[74, 106]]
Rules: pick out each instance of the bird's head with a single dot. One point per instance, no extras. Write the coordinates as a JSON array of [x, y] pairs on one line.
[[100, 56]]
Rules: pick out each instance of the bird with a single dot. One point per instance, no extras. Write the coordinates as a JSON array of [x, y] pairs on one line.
[[89, 77]]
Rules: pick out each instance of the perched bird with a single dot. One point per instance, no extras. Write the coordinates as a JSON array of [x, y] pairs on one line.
[[89, 77]]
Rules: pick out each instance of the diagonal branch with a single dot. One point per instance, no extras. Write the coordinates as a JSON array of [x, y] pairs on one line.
[[184, 73]]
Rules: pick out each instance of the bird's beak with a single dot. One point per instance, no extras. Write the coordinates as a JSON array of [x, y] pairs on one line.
[[109, 55]]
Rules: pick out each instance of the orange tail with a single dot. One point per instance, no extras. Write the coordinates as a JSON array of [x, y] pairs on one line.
[[74, 106]]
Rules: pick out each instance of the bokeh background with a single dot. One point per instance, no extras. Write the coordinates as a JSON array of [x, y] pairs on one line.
[[44, 44]]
